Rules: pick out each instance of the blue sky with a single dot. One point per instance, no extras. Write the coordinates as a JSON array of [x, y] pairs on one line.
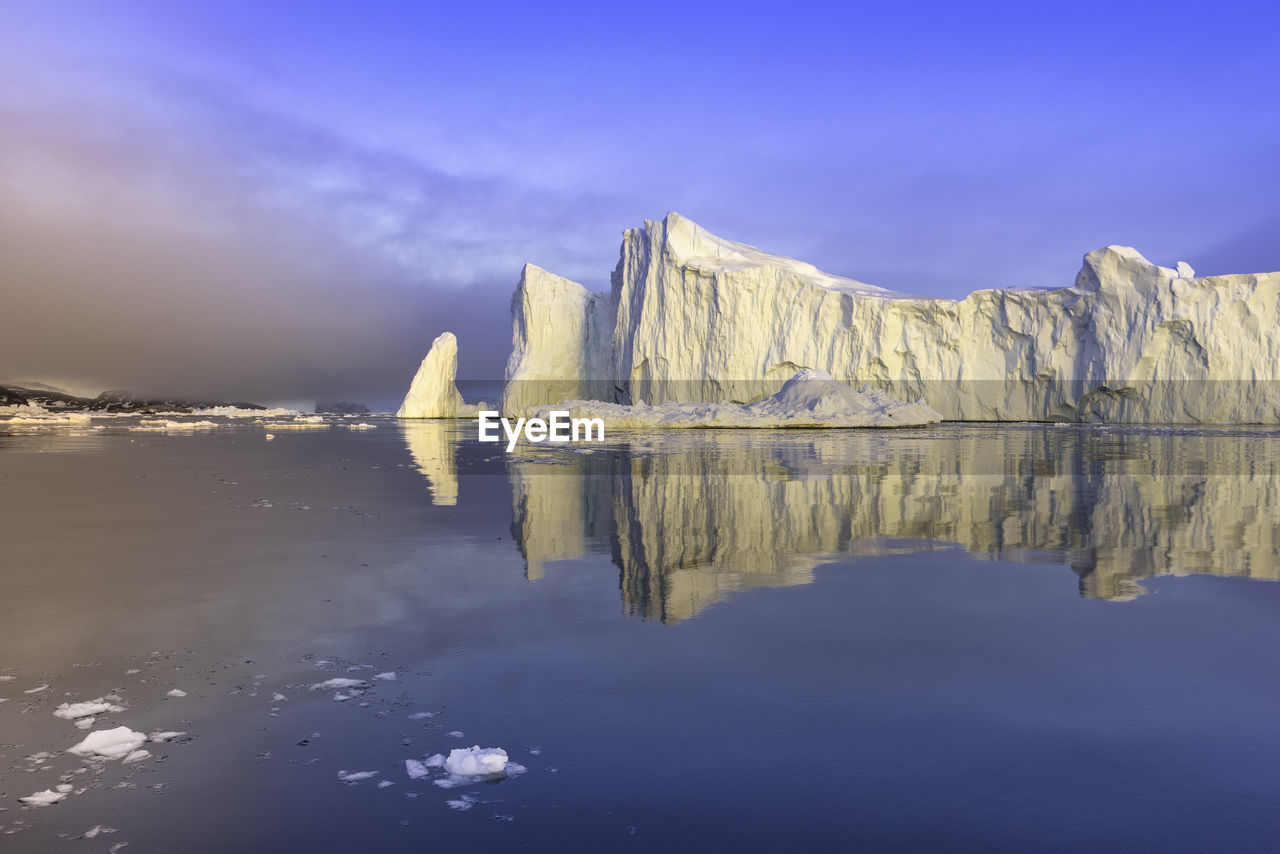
[[288, 200]]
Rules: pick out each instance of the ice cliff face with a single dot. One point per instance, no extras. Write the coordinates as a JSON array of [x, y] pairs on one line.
[[560, 335], [432, 394], [692, 318]]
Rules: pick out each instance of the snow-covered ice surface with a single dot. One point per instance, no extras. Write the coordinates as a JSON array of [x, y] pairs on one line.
[[809, 399]]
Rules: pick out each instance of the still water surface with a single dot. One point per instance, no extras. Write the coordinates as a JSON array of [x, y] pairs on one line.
[[961, 638]]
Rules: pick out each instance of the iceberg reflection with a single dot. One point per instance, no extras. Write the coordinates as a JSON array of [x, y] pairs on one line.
[[691, 517]]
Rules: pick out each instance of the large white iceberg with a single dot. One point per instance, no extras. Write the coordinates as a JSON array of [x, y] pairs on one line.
[[693, 318]]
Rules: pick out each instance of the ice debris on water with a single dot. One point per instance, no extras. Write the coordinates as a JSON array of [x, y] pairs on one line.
[[48, 797], [350, 777], [72, 711], [339, 682], [109, 743], [176, 693]]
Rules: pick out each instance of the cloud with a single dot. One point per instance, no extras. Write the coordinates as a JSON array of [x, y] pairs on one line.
[[188, 243]]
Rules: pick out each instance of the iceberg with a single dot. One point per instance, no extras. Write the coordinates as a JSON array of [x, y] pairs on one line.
[[692, 318], [433, 393]]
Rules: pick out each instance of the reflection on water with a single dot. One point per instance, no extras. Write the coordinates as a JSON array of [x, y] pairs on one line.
[[431, 444], [692, 517]]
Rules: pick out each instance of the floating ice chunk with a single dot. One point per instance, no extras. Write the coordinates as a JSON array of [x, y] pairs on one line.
[[435, 760], [71, 711], [46, 798], [131, 671], [340, 697], [7, 678], [165, 736], [415, 769], [176, 693], [137, 756], [382, 784], [37, 690], [463, 803], [109, 743], [339, 682], [355, 776], [386, 677], [278, 697], [476, 761], [97, 829], [86, 723], [417, 716]]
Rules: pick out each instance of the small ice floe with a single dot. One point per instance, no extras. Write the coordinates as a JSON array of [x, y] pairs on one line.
[[100, 706], [457, 733], [153, 425], [85, 723], [462, 804], [382, 784], [137, 756], [340, 683], [416, 769], [386, 677], [166, 735], [132, 671], [417, 716], [96, 830], [7, 677], [278, 697], [176, 694], [48, 797], [109, 743], [467, 765], [352, 777], [339, 697], [476, 761], [37, 690]]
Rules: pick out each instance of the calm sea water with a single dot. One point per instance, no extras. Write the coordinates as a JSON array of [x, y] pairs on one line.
[[964, 638]]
